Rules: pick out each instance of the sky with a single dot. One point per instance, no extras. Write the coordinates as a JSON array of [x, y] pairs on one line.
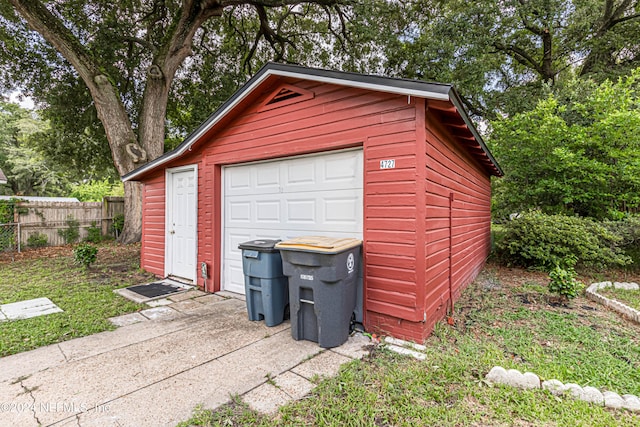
[[23, 101]]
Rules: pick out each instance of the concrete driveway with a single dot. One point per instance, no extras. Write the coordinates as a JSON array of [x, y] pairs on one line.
[[198, 350]]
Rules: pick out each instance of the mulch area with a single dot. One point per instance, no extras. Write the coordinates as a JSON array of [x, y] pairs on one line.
[[46, 252], [109, 253]]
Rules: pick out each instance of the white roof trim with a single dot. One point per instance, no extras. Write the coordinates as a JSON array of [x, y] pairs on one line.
[[361, 85]]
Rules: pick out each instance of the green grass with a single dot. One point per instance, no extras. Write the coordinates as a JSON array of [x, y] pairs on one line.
[[85, 295], [498, 322], [627, 297]]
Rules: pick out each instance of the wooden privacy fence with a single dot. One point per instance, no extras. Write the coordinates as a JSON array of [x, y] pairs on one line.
[[58, 223]]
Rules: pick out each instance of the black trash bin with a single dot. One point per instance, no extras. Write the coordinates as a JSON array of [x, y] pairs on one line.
[[323, 278], [266, 287]]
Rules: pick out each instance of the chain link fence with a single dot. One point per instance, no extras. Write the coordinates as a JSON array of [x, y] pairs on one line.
[[9, 241]]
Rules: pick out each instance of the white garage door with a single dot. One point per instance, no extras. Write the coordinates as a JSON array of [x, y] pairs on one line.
[[311, 195]]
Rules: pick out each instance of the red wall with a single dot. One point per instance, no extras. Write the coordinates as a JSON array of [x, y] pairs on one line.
[[406, 217], [153, 234], [463, 225]]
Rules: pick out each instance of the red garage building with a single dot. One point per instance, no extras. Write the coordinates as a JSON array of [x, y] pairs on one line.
[[302, 151]]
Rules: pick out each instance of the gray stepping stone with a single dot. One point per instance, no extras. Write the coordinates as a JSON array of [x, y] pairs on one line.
[[156, 313], [30, 308], [127, 319]]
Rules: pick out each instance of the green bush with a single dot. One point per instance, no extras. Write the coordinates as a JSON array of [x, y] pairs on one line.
[[118, 224], [563, 280], [627, 228], [85, 254], [37, 240], [94, 234], [72, 232], [538, 240], [95, 191]]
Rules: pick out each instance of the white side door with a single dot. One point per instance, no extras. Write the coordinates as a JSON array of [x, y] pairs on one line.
[[181, 223], [311, 195]]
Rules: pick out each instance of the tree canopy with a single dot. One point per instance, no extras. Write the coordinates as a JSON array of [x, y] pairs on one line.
[[29, 172], [577, 154], [504, 55]]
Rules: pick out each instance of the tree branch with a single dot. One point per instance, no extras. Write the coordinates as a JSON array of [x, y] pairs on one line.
[[40, 19], [519, 55], [141, 42]]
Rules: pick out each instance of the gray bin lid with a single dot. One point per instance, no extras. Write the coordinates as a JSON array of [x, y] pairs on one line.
[[260, 245]]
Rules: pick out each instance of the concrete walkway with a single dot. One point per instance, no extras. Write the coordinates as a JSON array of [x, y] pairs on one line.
[[153, 372]]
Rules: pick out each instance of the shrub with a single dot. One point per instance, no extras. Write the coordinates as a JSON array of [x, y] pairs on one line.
[[118, 224], [85, 254], [563, 280], [538, 240], [72, 232], [37, 240], [627, 228], [95, 191], [94, 234]]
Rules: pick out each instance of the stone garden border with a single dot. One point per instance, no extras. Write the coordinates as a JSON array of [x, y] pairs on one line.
[[626, 311], [528, 380]]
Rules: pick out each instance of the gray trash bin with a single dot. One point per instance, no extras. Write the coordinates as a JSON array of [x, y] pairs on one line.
[[266, 287], [323, 278]]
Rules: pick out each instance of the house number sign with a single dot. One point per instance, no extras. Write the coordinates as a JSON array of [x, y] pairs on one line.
[[388, 164]]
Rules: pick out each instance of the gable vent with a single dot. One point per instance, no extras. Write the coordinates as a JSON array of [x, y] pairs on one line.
[[286, 95], [283, 95]]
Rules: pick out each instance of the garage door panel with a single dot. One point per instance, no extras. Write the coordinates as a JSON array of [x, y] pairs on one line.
[[268, 178], [315, 195], [342, 170], [239, 211], [342, 210], [236, 276], [267, 211], [300, 211], [300, 173], [234, 238], [237, 180]]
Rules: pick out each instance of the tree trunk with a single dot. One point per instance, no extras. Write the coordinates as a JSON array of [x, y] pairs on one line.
[[132, 231]]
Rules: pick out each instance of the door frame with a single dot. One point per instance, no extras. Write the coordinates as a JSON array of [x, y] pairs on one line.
[[168, 256]]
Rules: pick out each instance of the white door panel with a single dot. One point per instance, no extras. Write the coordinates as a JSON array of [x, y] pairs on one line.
[[313, 195], [181, 223]]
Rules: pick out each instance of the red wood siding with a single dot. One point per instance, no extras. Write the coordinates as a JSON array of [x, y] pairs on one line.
[[153, 214], [451, 171]]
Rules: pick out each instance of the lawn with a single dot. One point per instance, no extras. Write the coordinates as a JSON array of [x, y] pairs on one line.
[[85, 295], [504, 318]]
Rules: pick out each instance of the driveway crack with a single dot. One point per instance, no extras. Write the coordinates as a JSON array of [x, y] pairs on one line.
[[30, 391], [66, 359]]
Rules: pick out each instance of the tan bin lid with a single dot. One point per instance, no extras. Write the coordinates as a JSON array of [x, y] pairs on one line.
[[321, 244]]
